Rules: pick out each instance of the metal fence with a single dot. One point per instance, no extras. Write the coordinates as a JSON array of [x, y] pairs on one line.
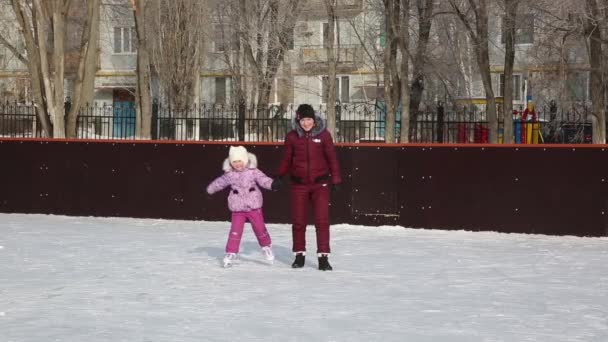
[[18, 120], [550, 125], [360, 122]]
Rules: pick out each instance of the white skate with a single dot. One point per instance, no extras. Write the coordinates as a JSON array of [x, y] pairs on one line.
[[267, 251], [229, 259]]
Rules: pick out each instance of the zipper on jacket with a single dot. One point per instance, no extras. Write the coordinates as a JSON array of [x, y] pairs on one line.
[[307, 157]]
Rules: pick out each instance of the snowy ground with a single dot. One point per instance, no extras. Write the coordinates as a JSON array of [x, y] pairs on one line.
[[112, 279]]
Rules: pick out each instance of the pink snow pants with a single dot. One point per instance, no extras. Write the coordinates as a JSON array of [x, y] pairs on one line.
[[256, 218]]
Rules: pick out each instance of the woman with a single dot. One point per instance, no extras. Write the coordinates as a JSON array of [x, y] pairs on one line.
[[310, 158]]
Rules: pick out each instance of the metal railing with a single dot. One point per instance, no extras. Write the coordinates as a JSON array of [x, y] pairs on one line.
[[18, 120], [359, 122]]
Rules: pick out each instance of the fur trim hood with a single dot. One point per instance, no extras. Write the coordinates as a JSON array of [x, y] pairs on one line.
[[251, 164], [319, 126]]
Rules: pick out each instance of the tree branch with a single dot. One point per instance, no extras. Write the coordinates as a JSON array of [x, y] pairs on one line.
[[13, 49], [463, 18]]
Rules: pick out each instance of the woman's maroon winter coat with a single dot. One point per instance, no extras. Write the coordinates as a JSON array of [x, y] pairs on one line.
[[310, 157]]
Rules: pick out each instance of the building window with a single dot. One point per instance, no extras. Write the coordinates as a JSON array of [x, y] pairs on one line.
[[220, 90], [218, 40], [223, 38], [524, 29], [125, 40], [283, 90], [325, 34], [342, 89], [289, 39], [517, 87], [577, 86]]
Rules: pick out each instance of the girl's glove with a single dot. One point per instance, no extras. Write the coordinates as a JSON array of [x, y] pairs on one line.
[[277, 183]]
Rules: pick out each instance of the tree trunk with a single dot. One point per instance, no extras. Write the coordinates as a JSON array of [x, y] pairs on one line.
[[330, 5], [267, 58], [509, 31], [144, 106], [34, 66], [419, 63], [44, 31], [596, 74], [479, 37], [85, 79], [175, 32], [391, 74], [486, 78], [483, 60], [41, 24], [405, 86], [57, 87]]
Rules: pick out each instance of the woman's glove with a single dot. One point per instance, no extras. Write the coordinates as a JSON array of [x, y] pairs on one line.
[[334, 189]]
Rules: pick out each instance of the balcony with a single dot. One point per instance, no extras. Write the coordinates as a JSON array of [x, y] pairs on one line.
[[315, 9], [317, 54]]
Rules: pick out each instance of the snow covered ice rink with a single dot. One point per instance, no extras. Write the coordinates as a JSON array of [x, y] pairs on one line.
[[117, 279]]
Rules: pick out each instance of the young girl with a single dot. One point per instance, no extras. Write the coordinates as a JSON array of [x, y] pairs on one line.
[[244, 201]]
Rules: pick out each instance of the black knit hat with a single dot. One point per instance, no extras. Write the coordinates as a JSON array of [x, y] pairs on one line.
[[305, 111]]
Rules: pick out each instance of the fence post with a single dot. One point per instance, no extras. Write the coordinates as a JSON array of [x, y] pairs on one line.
[[67, 105], [440, 113], [154, 119], [241, 120]]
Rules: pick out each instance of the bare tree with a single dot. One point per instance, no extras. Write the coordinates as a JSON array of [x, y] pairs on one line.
[[396, 67], [44, 29], [252, 38], [509, 32], [332, 61], [391, 73], [177, 48], [84, 86], [367, 30], [474, 16], [237, 66], [228, 29], [455, 60], [267, 40], [595, 23], [404, 41], [143, 130], [26, 16], [425, 15]]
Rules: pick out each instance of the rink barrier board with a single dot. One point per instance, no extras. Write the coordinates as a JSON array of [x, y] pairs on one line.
[[544, 189]]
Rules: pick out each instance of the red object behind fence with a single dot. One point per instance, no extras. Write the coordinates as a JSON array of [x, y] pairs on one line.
[[481, 134]]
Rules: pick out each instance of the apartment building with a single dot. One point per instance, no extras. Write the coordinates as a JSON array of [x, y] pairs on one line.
[[14, 83], [541, 72], [303, 74]]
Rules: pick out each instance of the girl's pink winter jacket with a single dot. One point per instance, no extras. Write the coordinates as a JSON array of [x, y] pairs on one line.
[[245, 193]]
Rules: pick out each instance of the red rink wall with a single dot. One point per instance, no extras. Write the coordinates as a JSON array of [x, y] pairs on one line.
[[545, 189]]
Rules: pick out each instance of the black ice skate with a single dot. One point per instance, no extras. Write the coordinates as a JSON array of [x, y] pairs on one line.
[[324, 263], [299, 262]]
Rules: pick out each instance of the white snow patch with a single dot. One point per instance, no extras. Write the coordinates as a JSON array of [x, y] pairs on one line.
[[119, 279]]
